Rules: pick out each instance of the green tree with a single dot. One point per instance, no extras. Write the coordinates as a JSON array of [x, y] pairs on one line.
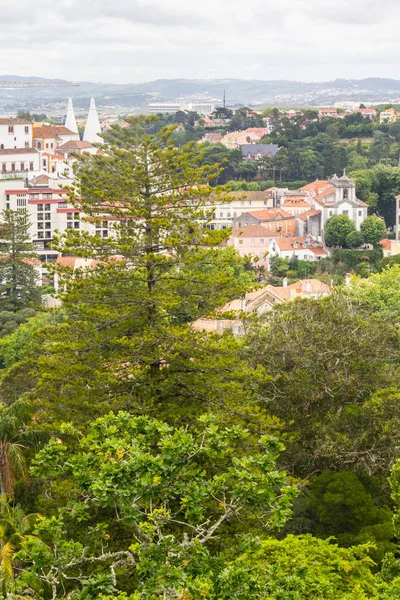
[[337, 228], [18, 275], [373, 230], [342, 354], [339, 505], [354, 239], [380, 294], [15, 437], [129, 335], [176, 493]]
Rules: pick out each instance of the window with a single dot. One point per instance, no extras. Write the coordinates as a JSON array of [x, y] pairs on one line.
[[330, 213], [105, 234], [48, 234], [21, 202], [69, 216], [261, 241], [228, 215], [240, 241], [39, 145], [40, 226], [265, 202], [40, 235], [252, 242], [221, 215], [47, 145], [104, 224], [345, 194], [345, 212], [10, 129], [12, 166], [69, 225], [31, 166], [35, 197], [47, 225], [47, 207], [39, 206], [4, 167], [48, 196], [2, 147], [26, 144], [47, 216], [26, 128], [360, 213], [40, 217], [76, 225], [51, 145]]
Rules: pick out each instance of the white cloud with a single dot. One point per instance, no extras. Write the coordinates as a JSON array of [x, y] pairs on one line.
[[140, 40]]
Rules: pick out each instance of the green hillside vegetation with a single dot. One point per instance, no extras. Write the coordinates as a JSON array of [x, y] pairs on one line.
[[143, 460]]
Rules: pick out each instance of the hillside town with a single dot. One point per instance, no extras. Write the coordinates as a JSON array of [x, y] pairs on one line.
[[199, 354]]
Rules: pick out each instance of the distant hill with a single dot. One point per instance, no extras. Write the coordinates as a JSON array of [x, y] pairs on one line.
[[136, 96]]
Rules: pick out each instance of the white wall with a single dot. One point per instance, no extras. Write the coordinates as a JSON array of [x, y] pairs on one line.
[[19, 138]]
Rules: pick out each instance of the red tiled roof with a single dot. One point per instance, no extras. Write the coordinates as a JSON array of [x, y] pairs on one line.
[[75, 145], [293, 202], [271, 214], [308, 213], [253, 231], [15, 122], [315, 186], [51, 132]]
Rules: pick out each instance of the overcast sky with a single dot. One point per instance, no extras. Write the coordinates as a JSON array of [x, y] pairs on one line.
[[139, 40]]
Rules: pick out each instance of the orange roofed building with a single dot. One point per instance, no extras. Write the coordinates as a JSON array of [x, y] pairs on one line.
[[252, 240], [304, 248], [261, 301], [275, 220]]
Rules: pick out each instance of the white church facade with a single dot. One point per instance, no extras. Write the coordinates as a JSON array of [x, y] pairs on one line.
[[336, 196]]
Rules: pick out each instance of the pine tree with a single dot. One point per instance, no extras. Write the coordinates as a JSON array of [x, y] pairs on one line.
[[18, 276], [128, 342]]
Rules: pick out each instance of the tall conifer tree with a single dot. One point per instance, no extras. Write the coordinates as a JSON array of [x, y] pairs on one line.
[[129, 341], [18, 276]]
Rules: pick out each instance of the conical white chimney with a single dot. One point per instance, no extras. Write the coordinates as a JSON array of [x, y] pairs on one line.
[[92, 128], [70, 121]]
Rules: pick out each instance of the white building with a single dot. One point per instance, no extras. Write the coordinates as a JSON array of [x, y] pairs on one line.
[[47, 204], [14, 161], [202, 107], [303, 248], [336, 196], [242, 202], [15, 133], [48, 137]]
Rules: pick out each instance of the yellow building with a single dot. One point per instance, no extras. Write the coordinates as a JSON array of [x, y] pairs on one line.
[[388, 116]]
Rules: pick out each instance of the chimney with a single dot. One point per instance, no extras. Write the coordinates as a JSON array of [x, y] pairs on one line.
[[284, 282]]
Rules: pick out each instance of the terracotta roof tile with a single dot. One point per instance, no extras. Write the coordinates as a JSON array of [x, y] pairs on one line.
[[271, 214], [253, 231]]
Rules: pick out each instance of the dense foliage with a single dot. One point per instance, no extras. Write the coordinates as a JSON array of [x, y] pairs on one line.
[[142, 458]]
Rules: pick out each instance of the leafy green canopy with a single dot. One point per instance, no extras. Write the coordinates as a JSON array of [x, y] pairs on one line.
[[337, 230], [172, 492], [325, 357]]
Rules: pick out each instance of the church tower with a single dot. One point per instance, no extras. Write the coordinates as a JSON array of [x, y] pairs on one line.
[[345, 189], [92, 129], [70, 121]]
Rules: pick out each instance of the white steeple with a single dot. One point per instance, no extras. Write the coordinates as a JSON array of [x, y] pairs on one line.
[[92, 128], [70, 121]]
